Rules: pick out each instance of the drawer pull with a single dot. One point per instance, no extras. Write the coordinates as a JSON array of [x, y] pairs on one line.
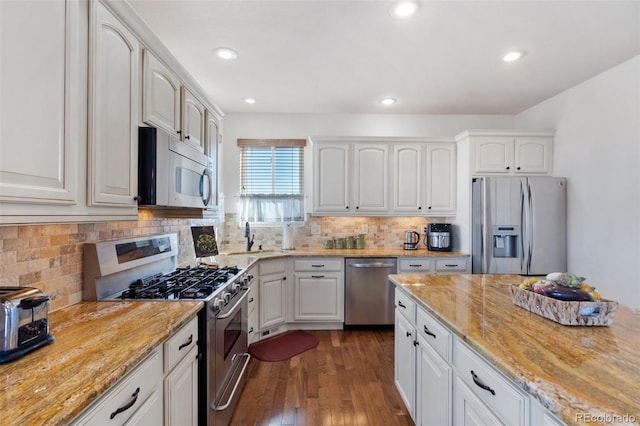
[[408, 334], [451, 265], [184, 345], [317, 276], [479, 382], [251, 300], [429, 332], [415, 266], [251, 330], [401, 305], [317, 266], [416, 343], [129, 404]]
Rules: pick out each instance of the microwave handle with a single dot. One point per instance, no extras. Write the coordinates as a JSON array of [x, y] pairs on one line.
[[207, 173]]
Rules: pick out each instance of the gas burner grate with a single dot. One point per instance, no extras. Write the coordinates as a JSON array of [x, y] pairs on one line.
[[183, 283]]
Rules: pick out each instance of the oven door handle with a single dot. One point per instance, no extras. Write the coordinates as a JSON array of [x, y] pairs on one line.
[[235, 387], [230, 312]]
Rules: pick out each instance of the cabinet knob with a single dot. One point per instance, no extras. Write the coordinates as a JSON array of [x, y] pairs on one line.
[[179, 132], [508, 167], [419, 207], [347, 207], [416, 343], [188, 137], [357, 207], [284, 278], [137, 198], [518, 168], [429, 207]]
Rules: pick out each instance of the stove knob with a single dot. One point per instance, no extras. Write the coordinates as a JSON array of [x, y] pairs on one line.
[[217, 304], [226, 296], [235, 288]]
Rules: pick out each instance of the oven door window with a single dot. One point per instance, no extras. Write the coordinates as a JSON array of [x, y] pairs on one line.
[[232, 333]]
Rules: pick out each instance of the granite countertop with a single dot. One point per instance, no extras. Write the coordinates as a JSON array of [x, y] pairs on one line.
[[246, 258], [570, 370], [96, 343]]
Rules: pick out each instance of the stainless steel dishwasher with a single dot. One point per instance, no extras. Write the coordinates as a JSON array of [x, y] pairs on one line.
[[368, 293]]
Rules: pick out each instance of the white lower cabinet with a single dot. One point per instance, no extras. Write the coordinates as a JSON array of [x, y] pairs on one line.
[[162, 389], [123, 401], [443, 381], [318, 291], [469, 410], [181, 376], [272, 282]]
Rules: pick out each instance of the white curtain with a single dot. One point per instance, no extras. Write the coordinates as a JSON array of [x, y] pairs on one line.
[[270, 208]]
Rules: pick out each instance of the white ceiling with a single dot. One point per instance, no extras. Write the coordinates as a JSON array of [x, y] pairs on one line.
[[339, 56]]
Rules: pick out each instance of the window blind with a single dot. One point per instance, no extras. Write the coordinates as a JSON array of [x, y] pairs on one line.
[[271, 180]]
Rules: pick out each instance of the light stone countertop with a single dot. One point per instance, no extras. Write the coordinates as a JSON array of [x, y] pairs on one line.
[[96, 343], [569, 369], [246, 258]]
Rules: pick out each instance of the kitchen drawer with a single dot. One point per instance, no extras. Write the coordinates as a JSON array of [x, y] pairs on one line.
[[142, 382], [414, 264], [178, 345], [453, 265], [272, 267], [503, 398], [405, 305], [321, 264], [435, 334]]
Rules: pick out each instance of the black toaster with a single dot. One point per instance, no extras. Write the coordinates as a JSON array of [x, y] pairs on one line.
[[24, 321]]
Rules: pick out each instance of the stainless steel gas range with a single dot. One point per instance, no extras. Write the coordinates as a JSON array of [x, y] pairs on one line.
[[145, 268]]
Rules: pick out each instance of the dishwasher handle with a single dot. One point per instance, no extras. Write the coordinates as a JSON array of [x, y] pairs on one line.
[[372, 265]]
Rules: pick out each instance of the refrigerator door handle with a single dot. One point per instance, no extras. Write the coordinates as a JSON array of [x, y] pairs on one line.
[[527, 228], [486, 243], [523, 224]]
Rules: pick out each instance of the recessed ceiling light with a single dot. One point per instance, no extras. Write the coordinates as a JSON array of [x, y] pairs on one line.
[[404, 9], [512, 56], [226, 53], [388, 101], [250, 101]]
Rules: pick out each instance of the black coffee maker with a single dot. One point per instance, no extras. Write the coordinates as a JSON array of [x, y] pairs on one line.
[[439, 237]]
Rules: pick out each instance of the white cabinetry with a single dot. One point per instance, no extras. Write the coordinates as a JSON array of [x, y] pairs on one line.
[[161, 95], [440, 194], [193, 120], [41, 104], [318, 290], [429, 265], [408, 179], [351, 178], [130, 398], [113, 110], [389, 177], [371, 178], [272, 283], [252, 306], [181, 381], [405, 350], [509, 152]]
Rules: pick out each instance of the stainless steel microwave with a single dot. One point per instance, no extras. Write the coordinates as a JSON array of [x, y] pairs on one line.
[[171, 173]]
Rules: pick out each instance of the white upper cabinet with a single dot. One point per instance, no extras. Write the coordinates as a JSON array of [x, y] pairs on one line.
[[441, 178], [161, 95], [371, 178], [509, 152], [113, 110], [40, 128], [394, 177], [193, 120], [408, 178], [331, 178]]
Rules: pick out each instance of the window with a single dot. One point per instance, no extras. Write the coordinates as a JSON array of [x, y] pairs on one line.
[[271, 180]]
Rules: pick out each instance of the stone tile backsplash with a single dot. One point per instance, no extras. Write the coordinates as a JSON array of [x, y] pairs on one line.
[[49, 257]]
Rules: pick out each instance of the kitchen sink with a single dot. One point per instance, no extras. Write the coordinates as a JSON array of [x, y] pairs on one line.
[[245, 258]]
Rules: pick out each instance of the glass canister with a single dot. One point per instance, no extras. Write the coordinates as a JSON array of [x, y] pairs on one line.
[[360, 241], [350, 242], [338, 242], [328, 244]]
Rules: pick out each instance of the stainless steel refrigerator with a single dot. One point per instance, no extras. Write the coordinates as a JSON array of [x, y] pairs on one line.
[[519, 225]]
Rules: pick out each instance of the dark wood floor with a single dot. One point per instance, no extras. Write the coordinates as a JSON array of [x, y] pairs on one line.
[[346, 380]]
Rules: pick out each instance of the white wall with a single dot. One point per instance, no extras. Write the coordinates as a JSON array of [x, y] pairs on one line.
[[305, 125], [597, 147]]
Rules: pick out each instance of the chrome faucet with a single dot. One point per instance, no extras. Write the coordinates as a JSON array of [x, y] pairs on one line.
[[247, 234]]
